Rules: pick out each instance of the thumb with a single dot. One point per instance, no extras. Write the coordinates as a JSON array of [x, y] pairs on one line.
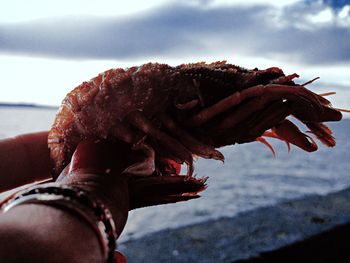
[[99, 157], [96, 168]]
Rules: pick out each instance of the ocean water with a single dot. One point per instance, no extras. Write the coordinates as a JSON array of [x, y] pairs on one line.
[[250, 177]]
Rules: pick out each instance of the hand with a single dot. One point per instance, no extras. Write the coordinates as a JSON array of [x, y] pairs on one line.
[[111, 159], [96, 167], [26, 158]]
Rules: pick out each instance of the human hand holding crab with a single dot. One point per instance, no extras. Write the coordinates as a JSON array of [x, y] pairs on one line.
[[96, 168], [26, 159]]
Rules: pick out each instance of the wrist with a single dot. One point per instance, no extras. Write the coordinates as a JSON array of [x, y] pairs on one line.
[[96, 168], [110, 189], [74, 200]]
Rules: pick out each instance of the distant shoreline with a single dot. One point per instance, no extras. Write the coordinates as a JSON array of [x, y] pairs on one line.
[[26, 105]]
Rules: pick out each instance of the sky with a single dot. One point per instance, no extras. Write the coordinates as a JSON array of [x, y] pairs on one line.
[[49, 47]]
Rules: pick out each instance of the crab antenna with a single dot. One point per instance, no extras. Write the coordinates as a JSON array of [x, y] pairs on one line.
[[343, 110], [327, 93], [310, 81]]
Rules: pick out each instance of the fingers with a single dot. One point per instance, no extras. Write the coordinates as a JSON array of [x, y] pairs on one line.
[[24, 159], [149, 191]]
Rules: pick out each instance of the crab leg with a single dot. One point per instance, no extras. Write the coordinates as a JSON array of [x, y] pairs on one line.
[[326, 114], [123, 132], [291, 133], [252, 127], [322, 132], [272, 134], [242, 112], [138, 120], [285, 79], [190, 142], [273, 117], [272, 91], [256, 104], [265, 120]]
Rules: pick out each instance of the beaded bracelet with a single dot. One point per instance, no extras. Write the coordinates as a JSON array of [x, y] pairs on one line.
[[74, 199]]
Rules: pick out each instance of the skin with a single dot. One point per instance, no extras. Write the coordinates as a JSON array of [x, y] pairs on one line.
[[24, 159], [36, 232]]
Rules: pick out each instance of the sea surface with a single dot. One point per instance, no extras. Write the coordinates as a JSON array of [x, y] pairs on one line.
[[250, 177]]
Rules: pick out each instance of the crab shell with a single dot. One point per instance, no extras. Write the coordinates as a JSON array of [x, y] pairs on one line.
[[171, 114]]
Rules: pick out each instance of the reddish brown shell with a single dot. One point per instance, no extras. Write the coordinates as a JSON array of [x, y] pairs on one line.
[[185, 110]]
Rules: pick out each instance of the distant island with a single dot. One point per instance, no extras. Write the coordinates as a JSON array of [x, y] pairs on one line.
[[26, 105]]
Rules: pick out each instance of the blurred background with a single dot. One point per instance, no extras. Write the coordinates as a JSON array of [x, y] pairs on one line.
[[49, 47]]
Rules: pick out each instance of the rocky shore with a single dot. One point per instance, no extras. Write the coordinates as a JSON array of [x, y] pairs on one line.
[[249, 234]]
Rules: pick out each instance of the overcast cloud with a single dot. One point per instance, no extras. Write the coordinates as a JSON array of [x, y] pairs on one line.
[[305, 32]]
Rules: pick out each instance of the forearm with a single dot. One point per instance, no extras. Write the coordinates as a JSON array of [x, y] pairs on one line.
[[41, 233], [24, 159]]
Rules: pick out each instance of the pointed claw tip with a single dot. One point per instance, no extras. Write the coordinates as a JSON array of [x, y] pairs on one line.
[[312, 144], [204, 180], [217, 155], [189, 196], [266, 143]]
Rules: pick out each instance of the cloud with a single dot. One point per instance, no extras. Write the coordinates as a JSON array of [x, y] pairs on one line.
[[179, 30], [334, 3]]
